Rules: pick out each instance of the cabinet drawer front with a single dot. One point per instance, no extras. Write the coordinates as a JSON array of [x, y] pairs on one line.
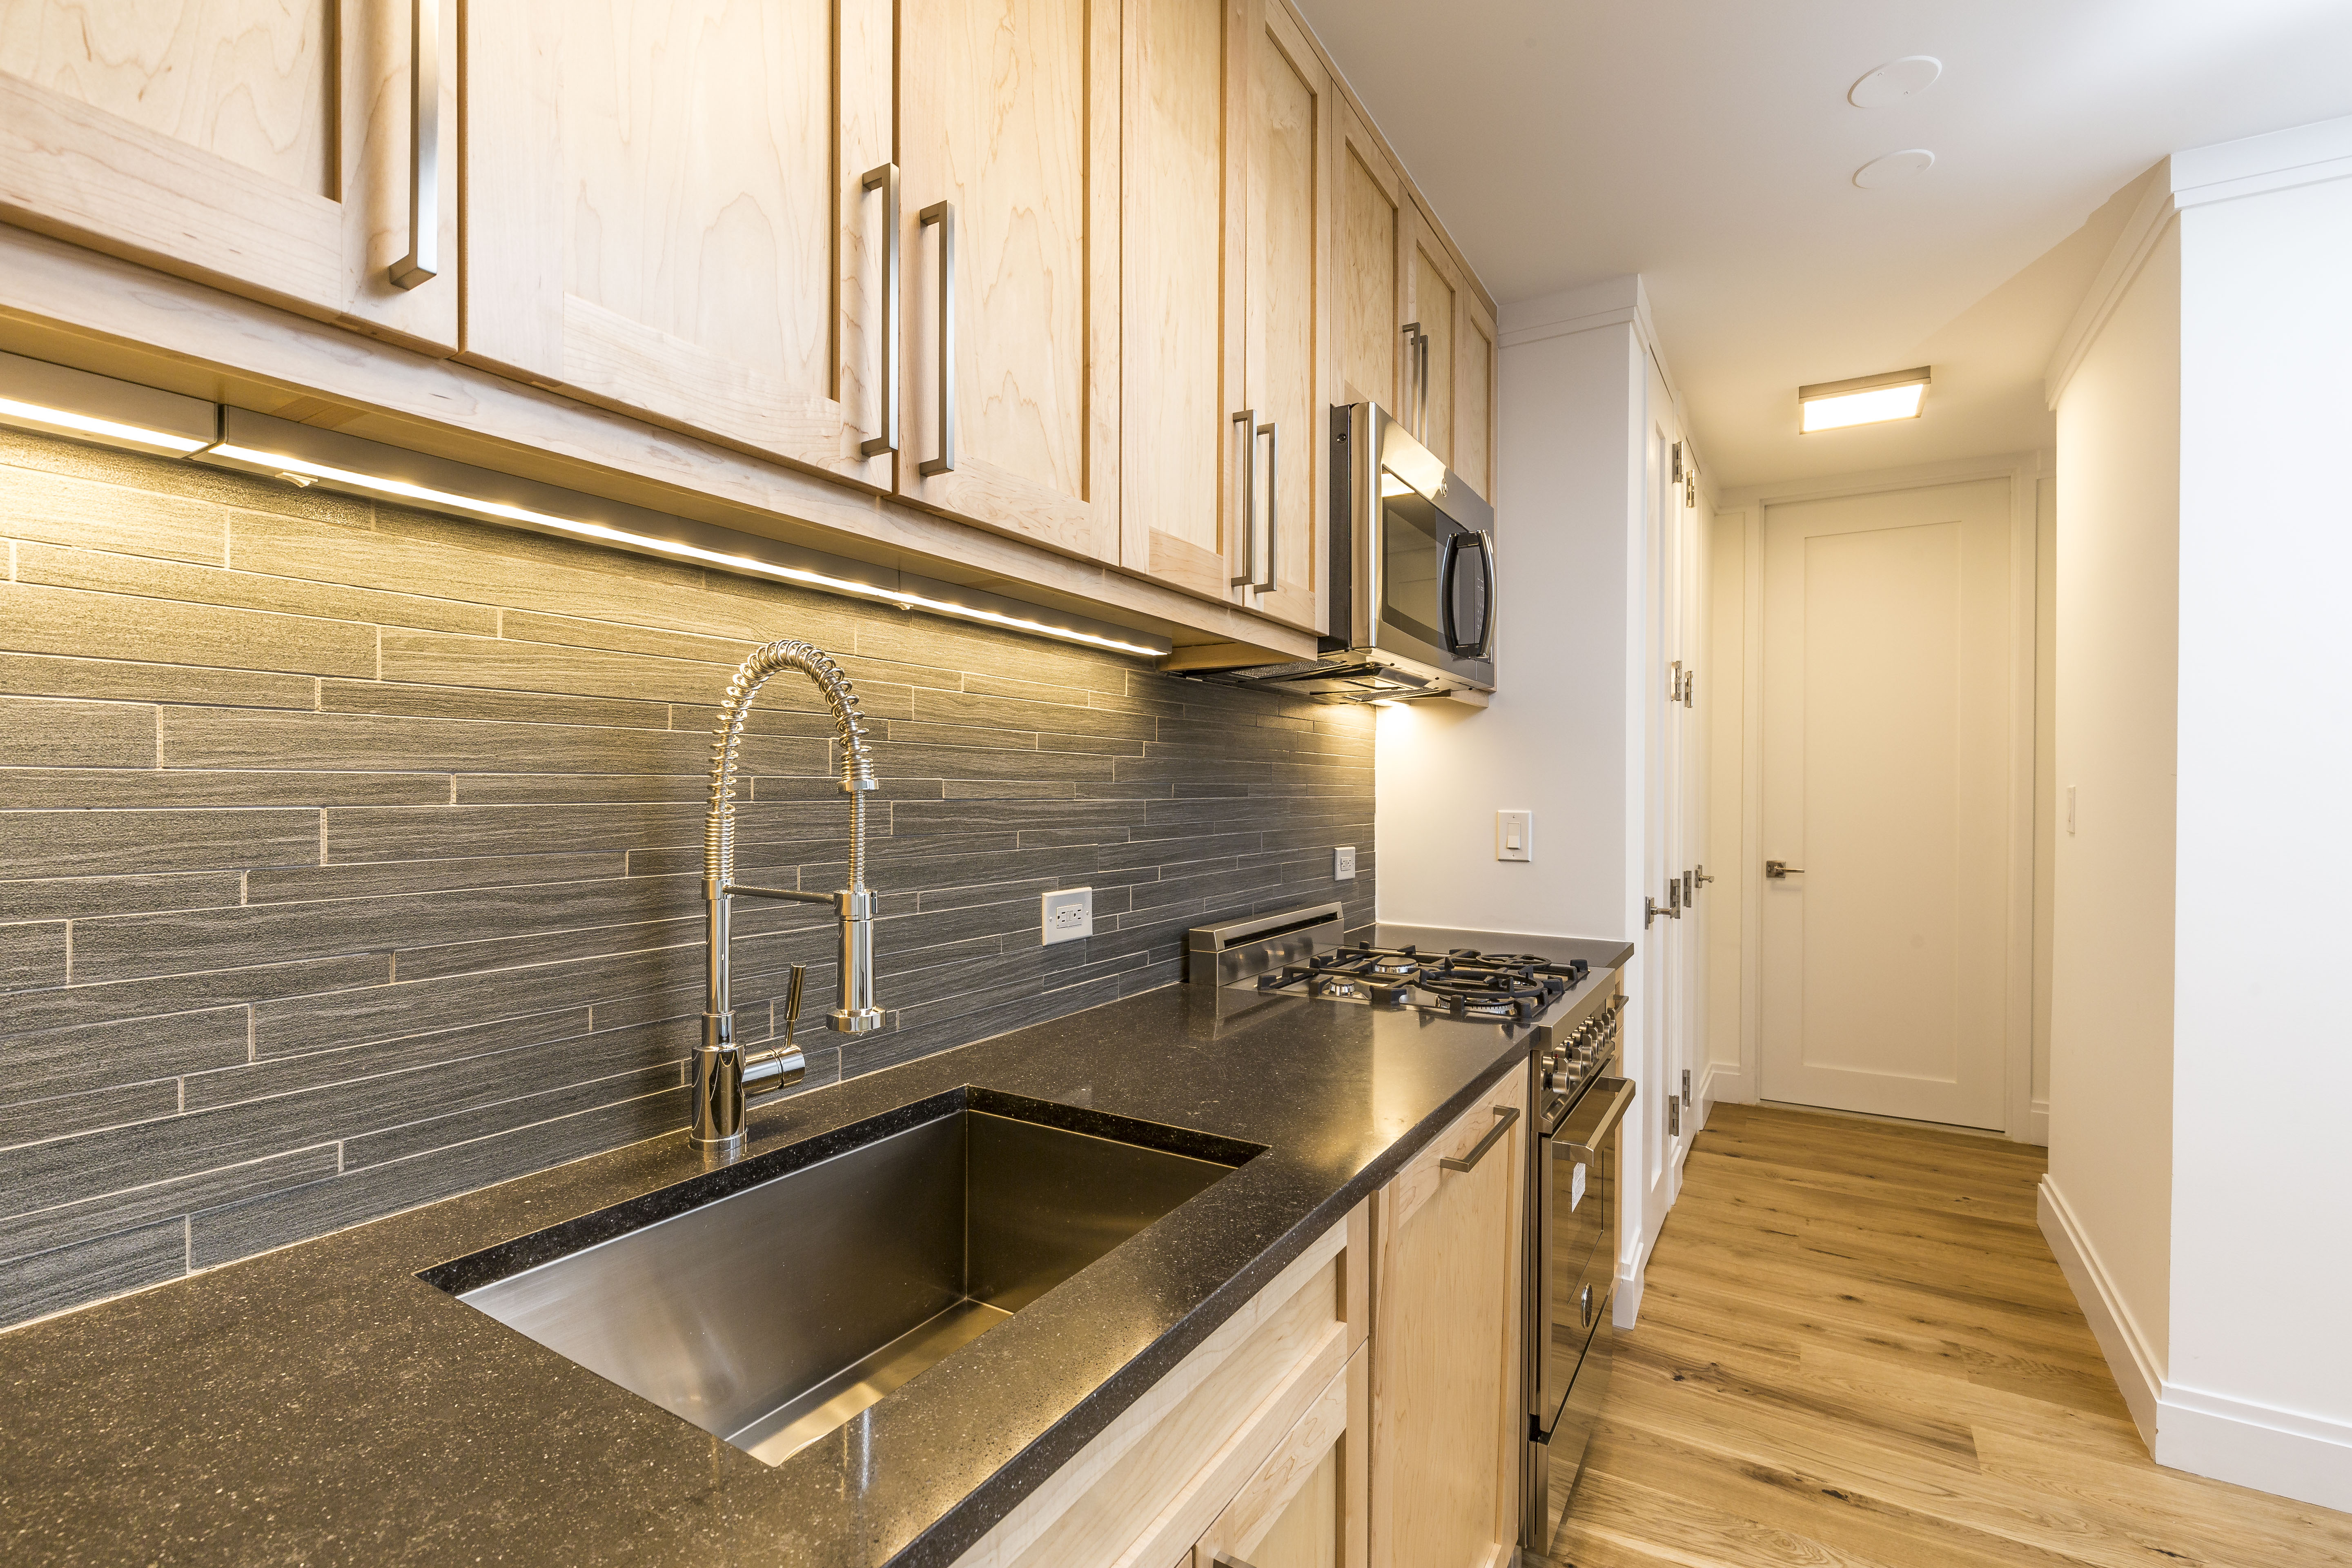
[[1298, 1497]]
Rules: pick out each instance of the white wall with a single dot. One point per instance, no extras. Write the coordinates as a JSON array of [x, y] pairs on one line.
[[2200, 1051], [2111, 932]]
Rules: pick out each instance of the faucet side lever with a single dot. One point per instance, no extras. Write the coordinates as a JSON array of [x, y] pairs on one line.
[[785, 1065]]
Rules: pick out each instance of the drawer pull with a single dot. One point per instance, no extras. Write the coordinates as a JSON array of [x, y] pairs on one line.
[[1504, 1116], [885, 178], [943, 215]]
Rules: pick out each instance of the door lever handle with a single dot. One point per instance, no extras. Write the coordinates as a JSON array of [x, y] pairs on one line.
[[1777, 869]]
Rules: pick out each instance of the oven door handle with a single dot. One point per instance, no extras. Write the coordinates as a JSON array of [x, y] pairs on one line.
[[1587, 1152]]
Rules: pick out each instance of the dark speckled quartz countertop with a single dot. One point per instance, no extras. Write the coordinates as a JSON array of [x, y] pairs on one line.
[[324, 1404]]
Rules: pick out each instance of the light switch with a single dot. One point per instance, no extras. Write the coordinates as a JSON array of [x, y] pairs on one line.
[[1515, 835]]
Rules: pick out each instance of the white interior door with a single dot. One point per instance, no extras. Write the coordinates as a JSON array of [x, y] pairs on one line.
[[1887, 682], [1664, 942]]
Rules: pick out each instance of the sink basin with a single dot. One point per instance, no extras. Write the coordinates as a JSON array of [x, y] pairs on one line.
[[770, 1302]]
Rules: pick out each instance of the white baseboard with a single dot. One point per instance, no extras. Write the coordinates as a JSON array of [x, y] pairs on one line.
[[2130, 1359], [1723, 1081], [2294, 1454], [2037, 1123]]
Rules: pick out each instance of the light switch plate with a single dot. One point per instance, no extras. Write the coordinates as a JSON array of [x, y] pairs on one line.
[[1343, 863], [1515, 836], [1066, 914]]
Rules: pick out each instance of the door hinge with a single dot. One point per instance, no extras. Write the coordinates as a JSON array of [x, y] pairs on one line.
[[1686, 1099], [1674, 1116], [1690, 686], [1674, 682], [1678, 462]]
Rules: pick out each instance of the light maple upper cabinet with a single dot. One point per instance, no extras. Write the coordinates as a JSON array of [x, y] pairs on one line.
[[1287, 363], [261, 148], [1447, 1428], [1225, 370], [1433, 295], [1474, 396], [1009, 138], [1368, 285], [667, 212], [1180, 341]]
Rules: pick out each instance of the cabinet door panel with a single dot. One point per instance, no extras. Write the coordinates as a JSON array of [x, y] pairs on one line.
[[263, 148], [1179, 355], [667, 213], [1446, 1421], [1009, 112], [1369, 291], [1473, 399], [1286, 209], [1304, 1507], [1432, 307]]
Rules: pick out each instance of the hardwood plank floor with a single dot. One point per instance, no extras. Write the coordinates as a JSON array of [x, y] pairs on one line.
[[1856, 1351]]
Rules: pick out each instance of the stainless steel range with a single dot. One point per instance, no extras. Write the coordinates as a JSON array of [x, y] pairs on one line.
[[1574, 1027]]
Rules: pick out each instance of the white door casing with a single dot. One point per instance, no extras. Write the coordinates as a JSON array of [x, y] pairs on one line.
[[1888, 690]]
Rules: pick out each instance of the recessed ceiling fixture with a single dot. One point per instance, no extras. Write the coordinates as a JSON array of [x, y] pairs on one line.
[[1864, 400], [1893, 169], [1895, 81]]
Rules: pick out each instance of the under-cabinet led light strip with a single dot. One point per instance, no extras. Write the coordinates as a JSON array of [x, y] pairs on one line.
[[59, 400], [499, 510]]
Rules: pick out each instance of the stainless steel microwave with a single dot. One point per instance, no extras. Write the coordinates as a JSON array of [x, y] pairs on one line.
[[1411, 587]]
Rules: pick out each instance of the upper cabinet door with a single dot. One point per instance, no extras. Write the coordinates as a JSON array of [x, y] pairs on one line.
[[667, 212], [264, 149], [1368, 282], [1183, 438], [1009, 134], [1286, 265], [1434, 296], [1474, 396]]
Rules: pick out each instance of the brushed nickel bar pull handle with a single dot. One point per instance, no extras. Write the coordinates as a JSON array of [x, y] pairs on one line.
[[1504, 1116], [943, 215], [1420, 403], [887, 177], [1271, 431], [1412, 376], [1247, 420], [423, 261]]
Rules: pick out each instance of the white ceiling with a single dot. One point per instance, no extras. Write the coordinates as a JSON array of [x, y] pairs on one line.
[[1708, 145]]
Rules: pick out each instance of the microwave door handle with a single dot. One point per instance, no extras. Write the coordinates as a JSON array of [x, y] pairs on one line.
[[1447, 565], [1487, 564]]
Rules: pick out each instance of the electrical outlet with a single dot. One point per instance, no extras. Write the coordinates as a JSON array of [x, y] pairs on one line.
[[1343, 863], [1686, 1085], [1515, 836], [1674, 1116], [1066, 914]]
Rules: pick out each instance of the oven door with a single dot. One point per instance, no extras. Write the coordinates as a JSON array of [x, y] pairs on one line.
[[1576, 1199]]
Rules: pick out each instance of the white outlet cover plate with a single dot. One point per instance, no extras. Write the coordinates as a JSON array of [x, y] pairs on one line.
[[1065, 914], [1343, 863]]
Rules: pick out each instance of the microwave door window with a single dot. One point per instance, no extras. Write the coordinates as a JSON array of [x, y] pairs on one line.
[[1410, 566]]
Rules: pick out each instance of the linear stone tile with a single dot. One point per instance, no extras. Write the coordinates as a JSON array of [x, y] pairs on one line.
[[151, 478], [39, 734], [418, 1006], [97, 1056], [925, 640], [1008, 713], [126, 680], [960, 735], [292, 1074], [220, 738], [169, 789], [292, 884], [433, 658], [453, 832], [399, 700], [576, 633], [31, 1121], [52, 1282], [212, 584], [123, 842], [969, 816], [827, 787], [1006, 789], [532, 789], [67, 509], [32, 955], [113, 1212], [80, 898], [86, 625], [59, 1007], [770, 719]]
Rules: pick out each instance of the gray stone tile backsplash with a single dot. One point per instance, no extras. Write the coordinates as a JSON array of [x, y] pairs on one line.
[[350, 858]]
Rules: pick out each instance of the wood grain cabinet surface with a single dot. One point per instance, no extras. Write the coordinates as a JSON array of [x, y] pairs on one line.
[[667, 213], [260, 148]]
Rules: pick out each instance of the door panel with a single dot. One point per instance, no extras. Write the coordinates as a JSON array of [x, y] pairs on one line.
[[260, 148], [667, 213], [1285, 209], [1432, 307], [1473, 399], [1888, 649], [1181, 358], [1367, 286], [1009, 112]]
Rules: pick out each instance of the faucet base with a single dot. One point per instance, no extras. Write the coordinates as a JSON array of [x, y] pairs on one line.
[[855, 1020]]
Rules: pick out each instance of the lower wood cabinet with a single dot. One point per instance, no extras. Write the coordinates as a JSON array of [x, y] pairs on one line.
[[1226, 1441], [1445, 1345], [1305, 1506]]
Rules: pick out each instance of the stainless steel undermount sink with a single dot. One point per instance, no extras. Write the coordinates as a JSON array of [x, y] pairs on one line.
[[771, 1301]]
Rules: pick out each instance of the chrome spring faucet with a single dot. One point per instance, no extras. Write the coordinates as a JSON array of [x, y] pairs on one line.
[[723, 1075]]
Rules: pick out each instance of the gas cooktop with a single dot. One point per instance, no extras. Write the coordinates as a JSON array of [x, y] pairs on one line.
[[1461, 982]]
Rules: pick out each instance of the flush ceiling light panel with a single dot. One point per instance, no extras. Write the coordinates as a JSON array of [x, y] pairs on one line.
[[1895, 169], [1864, 400], [56, 400], [1894, 82], [306, 455]]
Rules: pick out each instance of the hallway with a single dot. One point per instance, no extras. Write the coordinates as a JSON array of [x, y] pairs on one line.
[[1856, 1350]]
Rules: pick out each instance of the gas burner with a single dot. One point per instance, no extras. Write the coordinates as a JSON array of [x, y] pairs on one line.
[[1463, 982], [1396, 964]]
